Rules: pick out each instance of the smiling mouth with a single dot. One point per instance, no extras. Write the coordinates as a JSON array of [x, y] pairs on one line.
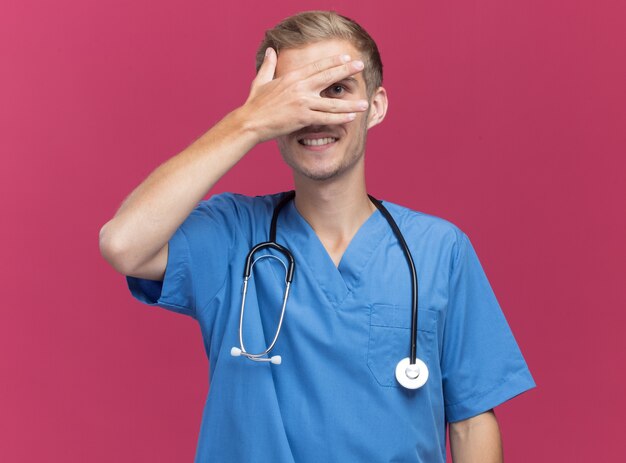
[[317, 141]]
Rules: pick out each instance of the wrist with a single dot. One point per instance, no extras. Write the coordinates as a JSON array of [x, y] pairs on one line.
[[244, 126]]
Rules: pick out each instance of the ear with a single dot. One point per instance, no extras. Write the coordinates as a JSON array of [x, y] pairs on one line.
[[378, 107]]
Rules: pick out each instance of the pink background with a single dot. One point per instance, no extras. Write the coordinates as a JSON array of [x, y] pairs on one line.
[[506, 118]]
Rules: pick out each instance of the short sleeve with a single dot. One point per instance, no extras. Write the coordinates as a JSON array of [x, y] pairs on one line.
[[482, 365], [197, 261]]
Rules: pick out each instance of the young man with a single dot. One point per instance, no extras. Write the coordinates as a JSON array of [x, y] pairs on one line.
[[335, 397]]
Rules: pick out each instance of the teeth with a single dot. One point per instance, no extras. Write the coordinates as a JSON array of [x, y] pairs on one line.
[[317, 141]]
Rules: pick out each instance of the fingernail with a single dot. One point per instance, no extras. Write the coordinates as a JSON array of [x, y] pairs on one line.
[[345, 58], [358, 64], [352, 116], [268, 51], [363, 104]]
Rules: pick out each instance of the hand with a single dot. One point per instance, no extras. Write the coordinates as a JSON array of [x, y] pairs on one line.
[[288, 103]]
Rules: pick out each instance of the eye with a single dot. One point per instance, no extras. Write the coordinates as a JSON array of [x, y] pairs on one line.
[[335, 90]]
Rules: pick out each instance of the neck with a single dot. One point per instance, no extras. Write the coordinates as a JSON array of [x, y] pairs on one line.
[[335, 209]]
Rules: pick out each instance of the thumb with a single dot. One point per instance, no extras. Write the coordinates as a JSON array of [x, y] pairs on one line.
[[266, 71]]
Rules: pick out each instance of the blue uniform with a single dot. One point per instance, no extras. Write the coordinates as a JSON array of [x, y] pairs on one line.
[[335, 397]]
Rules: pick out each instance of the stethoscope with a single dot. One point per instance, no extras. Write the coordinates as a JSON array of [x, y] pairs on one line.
[[411, 372]]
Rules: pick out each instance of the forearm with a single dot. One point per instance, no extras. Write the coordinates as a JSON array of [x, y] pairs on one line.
[[155, 209], [135, 240], [476, 440]]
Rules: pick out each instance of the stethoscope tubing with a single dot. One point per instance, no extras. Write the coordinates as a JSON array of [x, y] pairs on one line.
[[409, 259], [289, 271], [274, 245]]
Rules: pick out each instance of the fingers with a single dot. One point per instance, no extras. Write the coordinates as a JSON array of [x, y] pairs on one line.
[[322, 65], [327, 71], [330, 111], [322, 118], [266, 71], [335, 105], [296, 99]]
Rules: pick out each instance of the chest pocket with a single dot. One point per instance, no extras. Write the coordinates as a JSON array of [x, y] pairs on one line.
[[389, 340]]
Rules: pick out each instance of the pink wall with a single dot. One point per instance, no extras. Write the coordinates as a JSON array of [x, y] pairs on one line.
[[506, 118]]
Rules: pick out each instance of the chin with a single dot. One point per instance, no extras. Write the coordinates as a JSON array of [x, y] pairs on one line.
[[317, 166], [316, 174], [321, 176]]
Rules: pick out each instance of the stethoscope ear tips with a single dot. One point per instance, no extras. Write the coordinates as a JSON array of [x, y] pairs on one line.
[[411, 376], [276, 359], [235, 352]]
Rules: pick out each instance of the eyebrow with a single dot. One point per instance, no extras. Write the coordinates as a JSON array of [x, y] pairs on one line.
[[350, 79]]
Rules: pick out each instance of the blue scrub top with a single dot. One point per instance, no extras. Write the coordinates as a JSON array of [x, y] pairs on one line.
[[335, 397]]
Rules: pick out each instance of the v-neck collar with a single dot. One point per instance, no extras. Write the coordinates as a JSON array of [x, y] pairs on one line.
[[336, 282]]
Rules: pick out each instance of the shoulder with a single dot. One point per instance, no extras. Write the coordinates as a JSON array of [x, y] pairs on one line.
[[437, 231], [228, 217], [413, 220], [236, 206]]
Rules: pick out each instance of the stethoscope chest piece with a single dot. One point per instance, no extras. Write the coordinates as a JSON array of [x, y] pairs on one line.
[[411, 376]]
